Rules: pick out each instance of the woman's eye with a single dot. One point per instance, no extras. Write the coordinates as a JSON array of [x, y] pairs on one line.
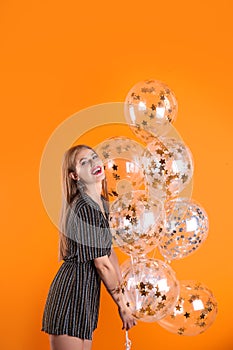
[[83, 162], [94, 156]]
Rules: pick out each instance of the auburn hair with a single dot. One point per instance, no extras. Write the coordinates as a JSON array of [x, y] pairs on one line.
[[70, 191]]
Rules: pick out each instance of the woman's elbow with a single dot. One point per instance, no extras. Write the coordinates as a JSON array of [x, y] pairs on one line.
[[102, 265]]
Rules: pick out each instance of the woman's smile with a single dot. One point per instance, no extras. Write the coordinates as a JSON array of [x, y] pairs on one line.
[[97, 170]]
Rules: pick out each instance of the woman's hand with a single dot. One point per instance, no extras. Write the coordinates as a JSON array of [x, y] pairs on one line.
[[127, 319], [110, 278]]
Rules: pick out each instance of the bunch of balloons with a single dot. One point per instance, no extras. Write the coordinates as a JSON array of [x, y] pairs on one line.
[[148, 211]]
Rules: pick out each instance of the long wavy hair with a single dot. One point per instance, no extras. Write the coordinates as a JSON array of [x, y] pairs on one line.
[[70, 191]]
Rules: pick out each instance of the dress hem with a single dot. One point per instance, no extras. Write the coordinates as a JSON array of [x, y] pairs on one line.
[[70, 334]]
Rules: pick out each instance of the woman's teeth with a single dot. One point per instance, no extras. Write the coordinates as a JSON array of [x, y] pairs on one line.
[[96, 171]]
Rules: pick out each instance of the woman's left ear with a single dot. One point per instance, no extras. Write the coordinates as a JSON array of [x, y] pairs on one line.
[[74, 176]]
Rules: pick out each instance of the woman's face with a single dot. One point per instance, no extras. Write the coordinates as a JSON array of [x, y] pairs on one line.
[[89, 166]]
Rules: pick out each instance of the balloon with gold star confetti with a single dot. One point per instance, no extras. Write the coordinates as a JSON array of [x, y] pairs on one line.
[[136, 222], [168, 167], [150, 288], [181, 170], [121, 158], [194, 312], [150, 108], [185, 228]]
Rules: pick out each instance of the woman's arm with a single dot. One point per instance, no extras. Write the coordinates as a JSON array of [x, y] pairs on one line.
[[110, 278], [114, 260]]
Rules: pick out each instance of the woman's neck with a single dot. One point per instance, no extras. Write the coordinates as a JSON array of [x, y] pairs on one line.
[[94, 191]]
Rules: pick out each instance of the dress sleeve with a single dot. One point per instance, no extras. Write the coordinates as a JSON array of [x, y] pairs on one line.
[[92, 233]]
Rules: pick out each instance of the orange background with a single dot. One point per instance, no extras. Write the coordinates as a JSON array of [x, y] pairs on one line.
[[57, 59]]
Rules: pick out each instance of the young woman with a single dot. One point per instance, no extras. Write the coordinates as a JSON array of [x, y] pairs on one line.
[[72, 306]]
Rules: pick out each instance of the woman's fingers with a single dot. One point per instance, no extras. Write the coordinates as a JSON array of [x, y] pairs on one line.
[[128, 320], [129, 324]]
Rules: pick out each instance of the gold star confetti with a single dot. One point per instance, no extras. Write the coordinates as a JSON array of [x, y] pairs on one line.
[[202, 324], [144, 292], [134, 96], [159, 151], [140, 285], [134, 221], [133, 208], [197, 286], [193, 297], [153, 107], [116, 177], [181, 330], [147, 90], [184, 178], [162, 97], [150, 286], [210, 308], [106, 155], [160, 305], [149, 311]]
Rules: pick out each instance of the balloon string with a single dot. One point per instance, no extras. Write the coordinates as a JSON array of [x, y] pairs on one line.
[[128, 341]]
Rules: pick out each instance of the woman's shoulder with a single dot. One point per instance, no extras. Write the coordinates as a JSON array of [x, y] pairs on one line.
[[83, 203]]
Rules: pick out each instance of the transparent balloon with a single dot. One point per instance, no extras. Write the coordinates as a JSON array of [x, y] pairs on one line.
[[121, 158], [136, 222], [185, 229], [194, 312], [150, 288], [150, 106], [181, 171], [168, 167]]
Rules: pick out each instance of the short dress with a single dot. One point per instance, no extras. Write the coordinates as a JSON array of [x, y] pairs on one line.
[[72, 305]]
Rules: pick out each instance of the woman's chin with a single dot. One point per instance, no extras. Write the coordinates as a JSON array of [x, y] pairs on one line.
[[99, 178]]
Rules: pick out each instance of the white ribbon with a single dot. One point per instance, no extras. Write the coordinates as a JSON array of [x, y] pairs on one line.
[[128, 341]]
